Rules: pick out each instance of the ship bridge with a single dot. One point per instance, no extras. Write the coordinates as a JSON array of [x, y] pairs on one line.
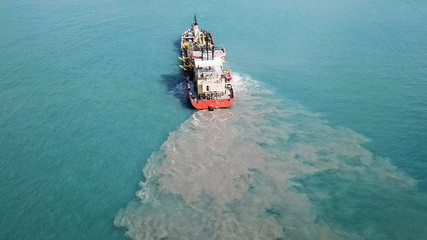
[[209, 77]]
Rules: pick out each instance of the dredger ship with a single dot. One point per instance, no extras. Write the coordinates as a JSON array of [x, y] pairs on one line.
[[208, 83]]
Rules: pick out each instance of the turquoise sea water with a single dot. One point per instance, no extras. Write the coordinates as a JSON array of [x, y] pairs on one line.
[[326, 139]]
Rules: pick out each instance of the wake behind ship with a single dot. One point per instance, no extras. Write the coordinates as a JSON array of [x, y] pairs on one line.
[[208, 83]]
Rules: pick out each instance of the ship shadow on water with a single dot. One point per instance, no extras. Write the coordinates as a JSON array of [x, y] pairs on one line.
[[176, 86], [176, 82]]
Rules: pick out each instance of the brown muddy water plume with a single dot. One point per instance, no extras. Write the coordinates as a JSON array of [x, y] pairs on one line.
[[233, 173]]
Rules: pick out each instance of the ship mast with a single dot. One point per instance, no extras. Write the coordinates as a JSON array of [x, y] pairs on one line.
[[196, 30], [195, 20]]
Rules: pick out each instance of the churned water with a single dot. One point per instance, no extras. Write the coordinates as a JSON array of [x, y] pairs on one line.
[[326, 138]]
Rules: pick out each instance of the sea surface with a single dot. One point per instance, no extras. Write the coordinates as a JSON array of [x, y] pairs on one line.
[[327, 138]]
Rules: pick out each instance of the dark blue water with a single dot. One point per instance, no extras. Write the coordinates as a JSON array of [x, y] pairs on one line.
[[326, 138]]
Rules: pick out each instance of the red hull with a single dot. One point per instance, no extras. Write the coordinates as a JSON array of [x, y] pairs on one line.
[[209, 104], [213, 104]]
